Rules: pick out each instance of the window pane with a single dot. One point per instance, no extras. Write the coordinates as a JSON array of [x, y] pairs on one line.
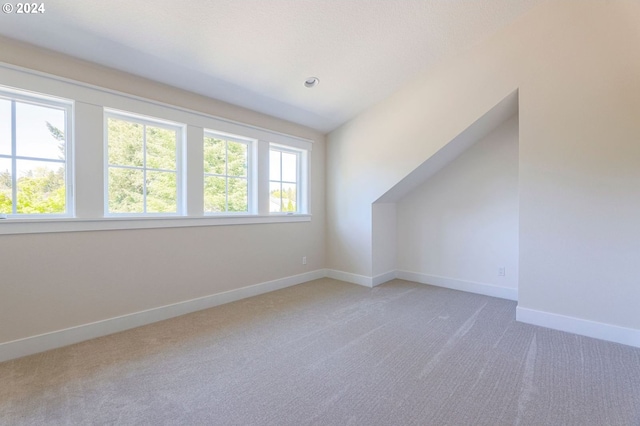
[[289, 197], [161, 192], [275, 197], [40, 187], [274, 165], [214, 194], [125, 140], [289, 167], [39, 131], [214, 156], [5, 127], [5, 186], [125, 190], [161, 148], [237, 158], [238, 195]]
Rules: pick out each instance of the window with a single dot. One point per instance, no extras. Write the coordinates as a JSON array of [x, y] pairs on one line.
[[226, 174], [284, 180], [34, 147], [142, 163], [143, 167]]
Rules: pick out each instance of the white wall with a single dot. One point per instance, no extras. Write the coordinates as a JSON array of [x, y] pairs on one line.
[[384, 238], [50, 282], [370, 154], [462, 223], [580, 167], [577, 68]]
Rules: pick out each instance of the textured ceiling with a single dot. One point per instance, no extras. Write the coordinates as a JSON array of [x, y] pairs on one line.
[[257, 53]]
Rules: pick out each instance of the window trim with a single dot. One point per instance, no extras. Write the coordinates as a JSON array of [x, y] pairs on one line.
[[251, 172], [87, 182], [180, 167], [54, 225], [53, 102], [281, 181], [302, 191]]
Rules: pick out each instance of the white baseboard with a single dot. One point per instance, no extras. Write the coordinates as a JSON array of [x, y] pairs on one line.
[[350, 278], [60, 338], [455, 284], [597, 330], [383, 278], [69, 336], [362, 280]]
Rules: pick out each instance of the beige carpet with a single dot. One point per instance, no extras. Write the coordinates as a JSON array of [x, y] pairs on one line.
[[330, 353]]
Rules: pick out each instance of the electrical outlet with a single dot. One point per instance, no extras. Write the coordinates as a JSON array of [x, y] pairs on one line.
[[501, 271], [304, 260]]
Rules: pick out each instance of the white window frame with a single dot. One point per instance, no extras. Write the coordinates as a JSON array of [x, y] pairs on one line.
[[250, 143], [302, 176], [145, 121], [86, 159], [283, 149], [65, 105]]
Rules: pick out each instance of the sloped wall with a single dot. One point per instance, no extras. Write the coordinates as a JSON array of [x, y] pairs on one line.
[[384, 209], [370, 154], [577, 68], [461, 225]]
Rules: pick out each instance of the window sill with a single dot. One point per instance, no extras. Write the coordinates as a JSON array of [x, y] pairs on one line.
[[43, 226]]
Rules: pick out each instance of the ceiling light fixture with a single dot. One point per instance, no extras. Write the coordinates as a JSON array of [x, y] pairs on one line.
[[311, 82]]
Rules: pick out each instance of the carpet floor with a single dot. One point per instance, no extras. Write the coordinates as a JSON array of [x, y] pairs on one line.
[[331, 353]]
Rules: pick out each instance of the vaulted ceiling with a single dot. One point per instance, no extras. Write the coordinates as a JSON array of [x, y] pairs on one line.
[[258, 53]]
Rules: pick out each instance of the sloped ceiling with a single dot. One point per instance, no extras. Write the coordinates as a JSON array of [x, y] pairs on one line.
[[257, 54], [488, 122]]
